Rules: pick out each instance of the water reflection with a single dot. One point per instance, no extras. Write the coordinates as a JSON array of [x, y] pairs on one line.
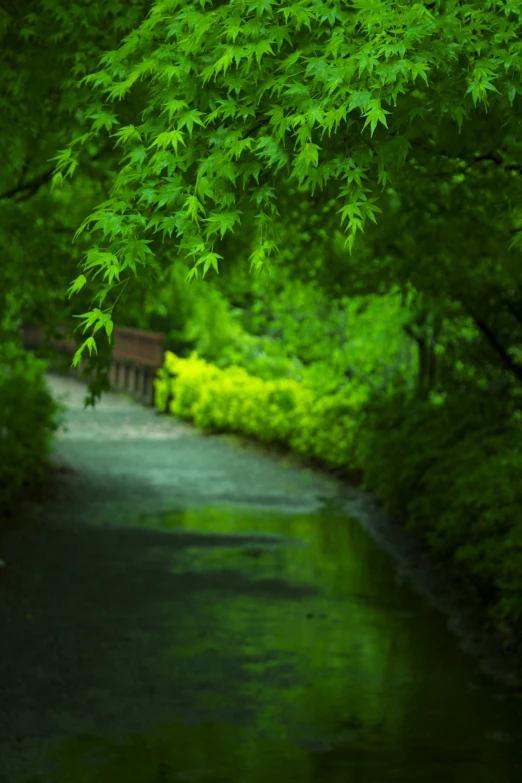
[[301, 657]]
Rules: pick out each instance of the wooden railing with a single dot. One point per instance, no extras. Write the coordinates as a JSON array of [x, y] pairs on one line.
[[137, 355]]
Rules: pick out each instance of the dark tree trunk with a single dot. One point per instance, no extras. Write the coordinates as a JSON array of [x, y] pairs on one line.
[[425, 331]]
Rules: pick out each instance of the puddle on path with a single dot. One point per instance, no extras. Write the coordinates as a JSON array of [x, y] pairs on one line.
[[296, 656]]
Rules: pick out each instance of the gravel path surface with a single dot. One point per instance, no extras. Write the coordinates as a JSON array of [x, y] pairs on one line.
[[85, 590]]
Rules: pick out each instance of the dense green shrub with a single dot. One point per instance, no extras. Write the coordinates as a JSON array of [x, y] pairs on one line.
[[326, 426], [28, 418], [451, 470], [360, 334], [296, 333], [263, 357]]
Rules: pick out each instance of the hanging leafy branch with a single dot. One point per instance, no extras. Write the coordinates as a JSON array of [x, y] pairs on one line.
[[330, 92]]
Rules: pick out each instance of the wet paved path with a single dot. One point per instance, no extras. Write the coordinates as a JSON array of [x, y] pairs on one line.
[[189, 609]]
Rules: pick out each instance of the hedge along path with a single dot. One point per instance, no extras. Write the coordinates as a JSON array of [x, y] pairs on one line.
[[283, 411]]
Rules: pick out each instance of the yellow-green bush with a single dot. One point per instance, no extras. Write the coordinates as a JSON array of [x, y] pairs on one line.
[[193, 375], [187, 377], [281, 410]]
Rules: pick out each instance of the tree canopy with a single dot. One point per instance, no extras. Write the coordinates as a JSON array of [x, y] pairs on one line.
[[191, 131], [241, 98], [45, 48]]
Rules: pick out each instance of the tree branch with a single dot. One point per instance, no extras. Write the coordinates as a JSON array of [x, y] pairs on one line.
[[33, 186], [489, 156], [496, 344], [515, 311]]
